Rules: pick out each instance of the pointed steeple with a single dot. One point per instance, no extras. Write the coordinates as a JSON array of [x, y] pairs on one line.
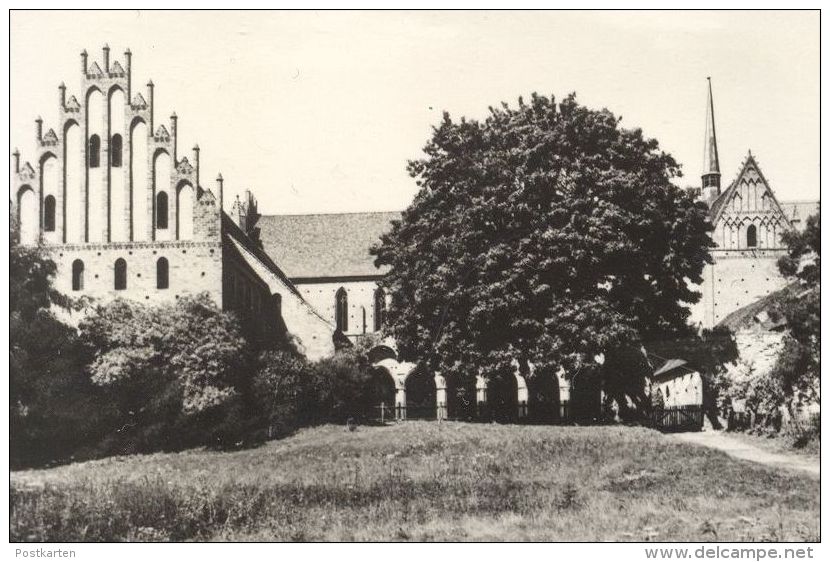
[[711, 165]]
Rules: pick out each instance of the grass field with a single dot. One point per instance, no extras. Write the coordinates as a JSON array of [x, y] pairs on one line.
[[422, 481]]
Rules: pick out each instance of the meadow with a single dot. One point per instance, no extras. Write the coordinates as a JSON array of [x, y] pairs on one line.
[[422, 481]]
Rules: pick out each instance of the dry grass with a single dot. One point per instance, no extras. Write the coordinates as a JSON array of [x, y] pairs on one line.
[[422, 481]]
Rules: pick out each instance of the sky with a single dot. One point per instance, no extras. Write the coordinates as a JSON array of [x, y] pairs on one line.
[[319, 112]]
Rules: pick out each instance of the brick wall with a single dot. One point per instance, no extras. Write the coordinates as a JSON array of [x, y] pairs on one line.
[[736, 279], [361, 301], [193, 267]]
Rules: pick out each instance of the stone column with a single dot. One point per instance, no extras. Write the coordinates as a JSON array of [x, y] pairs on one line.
[[522, 395], [564, 395], [440, 397], [400, 399], [481, 395]]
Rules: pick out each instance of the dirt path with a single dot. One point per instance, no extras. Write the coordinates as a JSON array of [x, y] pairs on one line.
[[745, 451]]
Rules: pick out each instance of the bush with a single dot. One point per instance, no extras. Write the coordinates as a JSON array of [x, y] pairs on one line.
[[338, 388], [174, 372], [290, 392]]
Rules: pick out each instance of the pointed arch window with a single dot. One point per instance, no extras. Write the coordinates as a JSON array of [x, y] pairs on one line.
[[341, 310], [162, 274], [116, 148], [94, 156], [49, 214], [77, 275], [380, 309], [751, 236], [120, 274], [162, 210]]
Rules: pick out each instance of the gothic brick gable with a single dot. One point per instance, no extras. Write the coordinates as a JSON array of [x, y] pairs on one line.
[[748, 204]]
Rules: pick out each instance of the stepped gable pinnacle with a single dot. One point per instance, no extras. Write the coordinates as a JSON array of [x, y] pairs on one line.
[[162, 134], [95, 70], [50, 138], [184, 166], [27, 172], [117, 70], [139, 101], [72, 105]]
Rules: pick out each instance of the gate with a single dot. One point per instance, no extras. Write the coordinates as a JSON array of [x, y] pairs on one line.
[[678, 418]]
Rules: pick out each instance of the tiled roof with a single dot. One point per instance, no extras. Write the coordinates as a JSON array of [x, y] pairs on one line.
[[233, 237], [670, 365], [798, 211], [325, 245], [751, 316], [718, 203]]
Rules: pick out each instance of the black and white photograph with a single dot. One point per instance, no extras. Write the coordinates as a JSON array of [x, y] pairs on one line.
[[383, 276]]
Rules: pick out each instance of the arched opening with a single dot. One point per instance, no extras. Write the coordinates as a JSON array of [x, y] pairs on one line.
[[94, 151], [27, 215], [380, 309], [381, 352], [184, 212], [141, 214], [751, 236], [461, 397], [382, 395], [50, 188], [162, 210], [162, 274], [120, 274], [341, 310], [543, 396], [162, 170], [120, 204], [97, 198], [586, 393], [420, 395], [503, 397], [74, 182], [77, 275], [49, 214], [116, 147]]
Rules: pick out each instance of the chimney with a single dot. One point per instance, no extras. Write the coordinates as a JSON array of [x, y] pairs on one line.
[[83, 62], [220, 184], [16, 155], [62, 89], [106, 58], [39, 128]]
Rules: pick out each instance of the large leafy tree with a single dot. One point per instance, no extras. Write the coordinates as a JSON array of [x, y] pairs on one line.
[[53, 406], [544, 233]]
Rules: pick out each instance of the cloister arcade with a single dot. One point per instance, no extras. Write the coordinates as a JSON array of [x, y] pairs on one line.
[[406, 391]]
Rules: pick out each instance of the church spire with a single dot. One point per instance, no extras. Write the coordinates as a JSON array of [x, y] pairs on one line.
[[711, 166]]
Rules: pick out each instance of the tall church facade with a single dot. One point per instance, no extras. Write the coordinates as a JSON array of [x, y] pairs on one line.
[[748, 223], [123, 213]]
